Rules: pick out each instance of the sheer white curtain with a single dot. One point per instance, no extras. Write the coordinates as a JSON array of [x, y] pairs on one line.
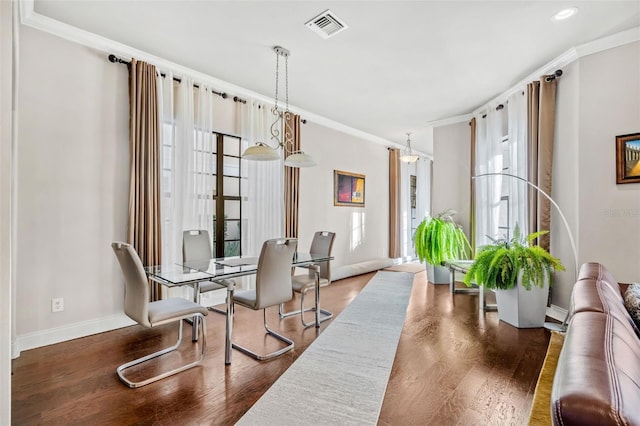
[[488, 188], [265, 188], [188, 163], [518, 190], [405, 210]]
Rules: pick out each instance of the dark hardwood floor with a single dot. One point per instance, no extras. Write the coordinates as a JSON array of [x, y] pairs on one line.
[[454, 365]]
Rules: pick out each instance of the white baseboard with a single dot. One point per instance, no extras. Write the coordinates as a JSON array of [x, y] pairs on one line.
[[69, 332], [87, 328], [556, 312]]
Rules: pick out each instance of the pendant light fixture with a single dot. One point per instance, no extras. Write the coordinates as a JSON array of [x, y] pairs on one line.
[[262, 151], [407, 155]]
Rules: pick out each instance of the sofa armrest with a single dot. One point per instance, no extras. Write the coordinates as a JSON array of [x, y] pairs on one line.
[[597, 381]]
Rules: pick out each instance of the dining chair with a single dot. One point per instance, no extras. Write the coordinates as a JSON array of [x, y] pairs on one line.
[[273, 286], [196, 246], [152, 314], [322, 243]]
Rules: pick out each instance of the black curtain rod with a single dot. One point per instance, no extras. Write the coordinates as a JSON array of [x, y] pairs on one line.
[[114, 59], [553, 76], [302, 120]]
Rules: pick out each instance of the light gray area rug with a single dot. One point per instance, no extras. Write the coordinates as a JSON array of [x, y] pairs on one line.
[[414, 268], [342, 376]]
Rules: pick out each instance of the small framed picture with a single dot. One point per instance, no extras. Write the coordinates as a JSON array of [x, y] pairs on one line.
[[348, 189], [628, 158]]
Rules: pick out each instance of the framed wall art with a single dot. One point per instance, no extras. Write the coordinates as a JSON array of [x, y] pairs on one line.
[[628, 158], [348, 189]]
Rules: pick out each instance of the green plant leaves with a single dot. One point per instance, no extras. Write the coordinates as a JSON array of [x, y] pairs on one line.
[[440, 239], [498, 265]]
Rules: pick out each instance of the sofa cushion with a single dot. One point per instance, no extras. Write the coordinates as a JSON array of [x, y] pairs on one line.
[[600, 294], [597, 381], [596, 271], [594, 296]]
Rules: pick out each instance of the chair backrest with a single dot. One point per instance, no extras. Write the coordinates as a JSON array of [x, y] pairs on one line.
[[323, 244], [136, 291], [196, 245], [273, 278]]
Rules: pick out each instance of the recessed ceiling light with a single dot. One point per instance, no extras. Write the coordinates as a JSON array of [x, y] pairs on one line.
[[565, 14]]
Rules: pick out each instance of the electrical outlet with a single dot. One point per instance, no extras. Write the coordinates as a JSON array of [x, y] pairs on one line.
[[57, 304]]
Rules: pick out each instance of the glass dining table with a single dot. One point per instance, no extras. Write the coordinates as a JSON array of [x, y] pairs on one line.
[[220, 271]]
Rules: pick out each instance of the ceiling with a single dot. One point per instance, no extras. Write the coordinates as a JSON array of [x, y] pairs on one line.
[[399, 66]]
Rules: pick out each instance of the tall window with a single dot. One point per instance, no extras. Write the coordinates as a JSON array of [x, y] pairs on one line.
[[227, 196], [214, 153], [201, 172], [501, 148], [504, 218]]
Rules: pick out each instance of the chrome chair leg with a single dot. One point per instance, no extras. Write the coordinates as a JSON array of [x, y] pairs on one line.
[[272, 333], [284, 314], [120, 370], [326, 314]]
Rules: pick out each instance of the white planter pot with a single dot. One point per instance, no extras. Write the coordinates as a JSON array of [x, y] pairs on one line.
[[437, 274], [523, 308]]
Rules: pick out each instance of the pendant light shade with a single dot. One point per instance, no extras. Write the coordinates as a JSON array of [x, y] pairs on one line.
[[407, 155], [281, 133], [409, 158], [261, 152], [299, 159]]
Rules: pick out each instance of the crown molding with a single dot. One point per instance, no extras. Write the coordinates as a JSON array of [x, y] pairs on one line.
[[548, 68], [450, 120], [569, 56], [609, 42], [33, 19]]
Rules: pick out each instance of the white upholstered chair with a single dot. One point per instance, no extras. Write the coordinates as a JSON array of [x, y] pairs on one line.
[[152, 314], [273, 287], [322, 243], [196, 247]]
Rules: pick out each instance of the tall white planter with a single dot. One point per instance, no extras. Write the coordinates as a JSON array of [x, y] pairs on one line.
[[437, 274], [523, 308]]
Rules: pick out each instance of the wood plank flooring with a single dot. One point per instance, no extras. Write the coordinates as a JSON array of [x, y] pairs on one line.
[[454, 365]]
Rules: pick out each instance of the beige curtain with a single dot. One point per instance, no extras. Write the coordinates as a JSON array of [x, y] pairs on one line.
[[144, 175], [472, 183], [291, 178], [541, 110], [394, 203]]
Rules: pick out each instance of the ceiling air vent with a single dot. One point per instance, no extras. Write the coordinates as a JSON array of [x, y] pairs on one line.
[[326, 24]]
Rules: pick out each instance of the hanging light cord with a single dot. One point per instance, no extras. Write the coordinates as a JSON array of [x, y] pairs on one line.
[[286, 81], [277, 78]]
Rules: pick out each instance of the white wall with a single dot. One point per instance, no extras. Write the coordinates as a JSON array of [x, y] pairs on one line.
[[609, 105], [73, 189], [361, 232], [451, 171], [72, 183], [565, 183], [598, 98], [6, 323]]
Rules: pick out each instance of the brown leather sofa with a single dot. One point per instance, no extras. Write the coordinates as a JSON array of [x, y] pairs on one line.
[[597, 381]]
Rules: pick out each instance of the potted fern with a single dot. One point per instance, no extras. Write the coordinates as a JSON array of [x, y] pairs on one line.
[[520, 273], [437, 240]]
